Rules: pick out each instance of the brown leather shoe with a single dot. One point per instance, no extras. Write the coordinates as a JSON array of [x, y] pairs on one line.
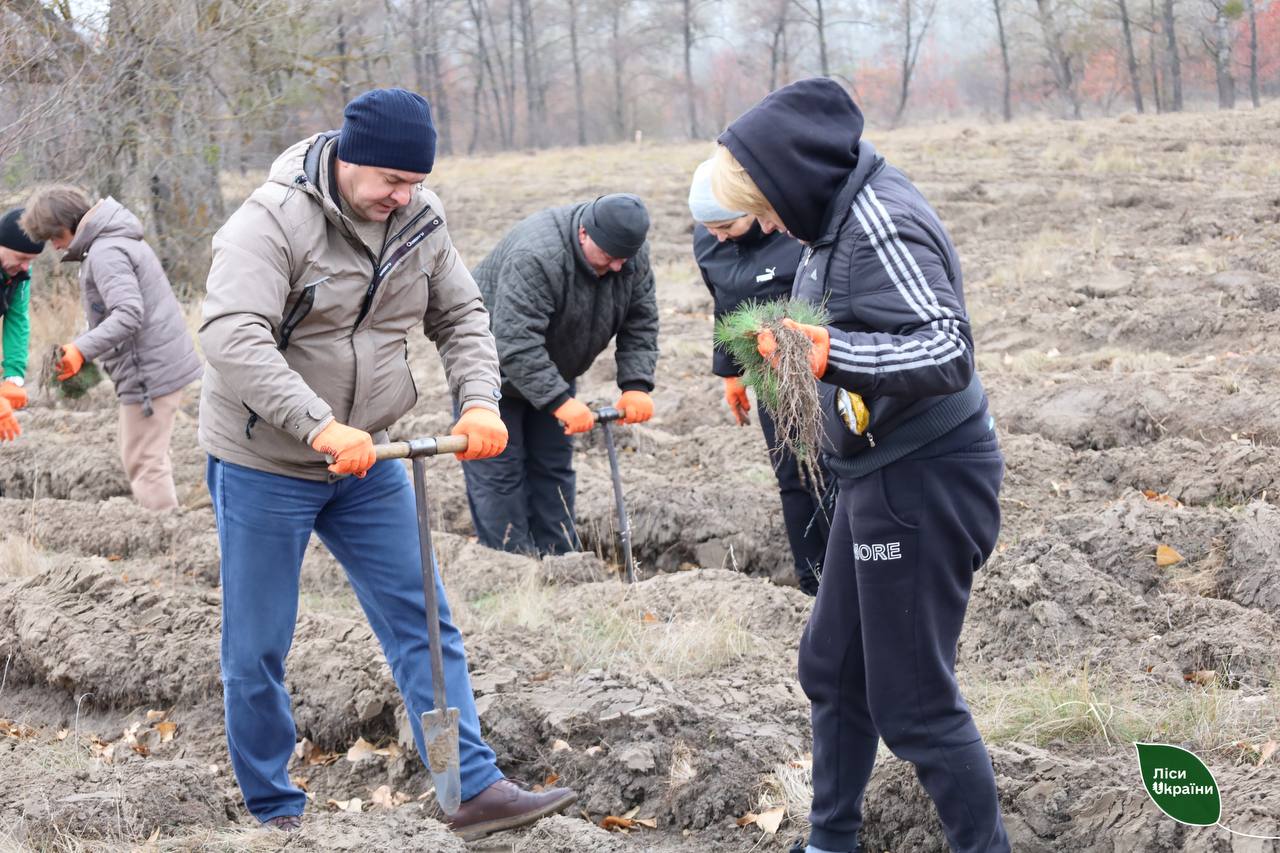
[[284, 822], [505, 805]]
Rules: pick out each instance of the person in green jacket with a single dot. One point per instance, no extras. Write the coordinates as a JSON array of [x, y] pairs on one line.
[[17, 251]]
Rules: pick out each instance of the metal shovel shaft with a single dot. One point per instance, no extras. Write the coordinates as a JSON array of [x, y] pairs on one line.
[[440, 725], [604, 417]]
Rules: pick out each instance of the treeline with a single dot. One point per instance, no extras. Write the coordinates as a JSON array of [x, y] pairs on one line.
[[155, 101]]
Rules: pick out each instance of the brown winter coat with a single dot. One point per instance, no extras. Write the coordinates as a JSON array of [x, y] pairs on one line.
[[137, 332], [299, 330]]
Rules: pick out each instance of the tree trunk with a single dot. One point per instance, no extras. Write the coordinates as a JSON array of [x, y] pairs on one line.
[[529, 49], [344, 60], [1004, 60], [580, 111], [1155, 65], [1135, 82], [619, 70], [1254, 94], [822, 38], [690, 94], [911, 46], [1175, 62], [1222, 61], [1059, 58]]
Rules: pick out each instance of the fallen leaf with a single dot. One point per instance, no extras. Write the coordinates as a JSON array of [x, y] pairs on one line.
[[540, 676], [1203, 677], [748, 819], [382, 797], [648, 617], [1264, 754], [115, 558], [167, 730], [391, 750], [650, 822], [560, 745], [154, 836], [594, 750], [400, 798], [613, 823], [360, 750], [1161, 498], [772, 819], [155, 716], [551, 779], [62, 734], [299, 782], [312, 755], [631, 812], [354, 805], [1166, 556]]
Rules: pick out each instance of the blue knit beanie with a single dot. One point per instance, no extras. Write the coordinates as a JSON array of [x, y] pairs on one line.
[[389, 128]]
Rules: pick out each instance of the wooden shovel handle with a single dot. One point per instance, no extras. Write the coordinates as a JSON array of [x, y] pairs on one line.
[[414, 447]]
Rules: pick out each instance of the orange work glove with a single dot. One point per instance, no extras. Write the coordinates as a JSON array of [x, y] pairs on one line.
[[636, 407], [767, 345], [486, 434], [15, 394], [736, 396], [351, 449], [9, 429], [575, 416], [70, 363]]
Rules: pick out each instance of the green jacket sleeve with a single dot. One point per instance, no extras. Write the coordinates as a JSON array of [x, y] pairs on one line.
[[17, 333]]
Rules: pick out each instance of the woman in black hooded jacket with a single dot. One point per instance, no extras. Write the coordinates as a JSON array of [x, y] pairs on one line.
[[909, 437]]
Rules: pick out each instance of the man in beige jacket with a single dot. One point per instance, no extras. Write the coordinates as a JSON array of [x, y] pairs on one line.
[[317, 281]]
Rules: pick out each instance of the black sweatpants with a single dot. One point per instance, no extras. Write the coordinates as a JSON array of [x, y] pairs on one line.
[[878, 657], [522, 501], [806, 519]]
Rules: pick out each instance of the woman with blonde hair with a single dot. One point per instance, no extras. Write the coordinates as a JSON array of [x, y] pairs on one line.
[[909, 438]]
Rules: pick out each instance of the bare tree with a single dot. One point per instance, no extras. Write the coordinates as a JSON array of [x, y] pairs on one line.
[[914, 17], [579, 106], [815, 13], [1131, 57], [1153, 28], [1175, 62], [1061, 59], [1007, 100], [691, 95], [1252, 7], [1217, 40], [778, 52]]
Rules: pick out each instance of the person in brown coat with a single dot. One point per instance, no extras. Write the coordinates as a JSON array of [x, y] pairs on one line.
[[136, 331]]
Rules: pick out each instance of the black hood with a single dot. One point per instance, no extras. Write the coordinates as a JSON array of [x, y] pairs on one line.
[[799, 145]]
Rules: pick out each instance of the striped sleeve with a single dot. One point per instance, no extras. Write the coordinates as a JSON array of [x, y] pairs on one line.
[[922, 345]]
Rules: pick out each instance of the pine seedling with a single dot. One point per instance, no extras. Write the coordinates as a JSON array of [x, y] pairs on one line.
[[784, 384]]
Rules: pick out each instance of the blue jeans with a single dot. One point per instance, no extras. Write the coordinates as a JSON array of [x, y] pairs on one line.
[[370, 526]]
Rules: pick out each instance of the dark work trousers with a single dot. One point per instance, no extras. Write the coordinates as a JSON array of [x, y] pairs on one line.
[[877, 659], [522, 501], [805, 514]]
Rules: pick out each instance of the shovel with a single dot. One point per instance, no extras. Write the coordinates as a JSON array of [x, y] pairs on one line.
[[605, 417], [440, 725]]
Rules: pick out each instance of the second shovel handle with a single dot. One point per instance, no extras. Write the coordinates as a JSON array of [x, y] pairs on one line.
[[416, 447]]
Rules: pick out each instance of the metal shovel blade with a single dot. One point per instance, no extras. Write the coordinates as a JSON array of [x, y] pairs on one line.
[[440, 730]]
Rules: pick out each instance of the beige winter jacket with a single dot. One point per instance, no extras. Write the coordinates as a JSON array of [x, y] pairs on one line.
[[304, 323], [136, 332]]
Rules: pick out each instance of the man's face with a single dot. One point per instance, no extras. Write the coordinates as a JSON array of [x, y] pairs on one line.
[[374, 193], [15, 262], [61, 240], [601, 261], [730, 229]]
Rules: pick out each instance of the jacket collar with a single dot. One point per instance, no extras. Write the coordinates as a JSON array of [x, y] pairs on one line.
[[869, 165]]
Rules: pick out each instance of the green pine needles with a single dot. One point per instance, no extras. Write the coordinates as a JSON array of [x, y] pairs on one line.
[[784, 385]]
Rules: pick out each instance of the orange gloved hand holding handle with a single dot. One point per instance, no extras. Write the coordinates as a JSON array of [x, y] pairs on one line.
[[575, 416], [636, 407], [351, 449], [486, 434], [735, 394]]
